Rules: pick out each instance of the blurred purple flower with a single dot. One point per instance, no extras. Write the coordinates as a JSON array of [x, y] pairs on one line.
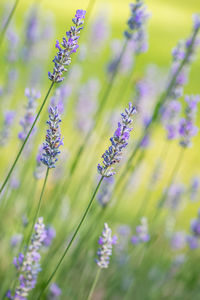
[[193, 242], [6, 128], [87, 104], [55, 291], [178, 240], [194, 188], [142, 234], [50, 235], [29, 116], [105, 191], [187, 129]]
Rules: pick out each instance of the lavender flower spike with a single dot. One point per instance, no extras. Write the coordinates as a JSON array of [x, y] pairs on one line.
[[137, 19], [106, 241], [29, 116], [7, 124], [187, 129], [118, 141], [67, 47], [53, 139], [29, 266]]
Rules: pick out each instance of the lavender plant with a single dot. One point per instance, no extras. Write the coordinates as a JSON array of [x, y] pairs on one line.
[[53, 139], [63, 57], [6, 128], [106, 242], [28, 265], [187, 129], [142, 234], [119, 141], [67, 47], [193, 239], [180, 63], [29, 116], [111, 156], [105, 250], [136, 25]]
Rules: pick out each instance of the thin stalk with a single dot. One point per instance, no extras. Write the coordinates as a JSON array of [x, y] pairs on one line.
[[73, 237], [94, 284], [26, 139], [8, 22], [123, 186], [148, 193], [38, 206], [161, 101], [172, 176]]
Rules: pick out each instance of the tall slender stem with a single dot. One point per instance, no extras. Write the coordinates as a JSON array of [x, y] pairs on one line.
[[148, 193], [94, 284], [2, 34], [39, 205], [172, 176], [26, 139], [73, 237]]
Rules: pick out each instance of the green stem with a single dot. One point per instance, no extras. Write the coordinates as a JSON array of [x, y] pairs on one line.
[[146, 199], [94, 284], [38, 206], [172, 176], [123, 183], [73, 237], [8, 22], [26, 139]]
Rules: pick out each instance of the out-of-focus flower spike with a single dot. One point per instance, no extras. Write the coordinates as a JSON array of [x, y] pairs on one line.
[[29, 116], [187, 129], [105, 251], [28, 264]]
